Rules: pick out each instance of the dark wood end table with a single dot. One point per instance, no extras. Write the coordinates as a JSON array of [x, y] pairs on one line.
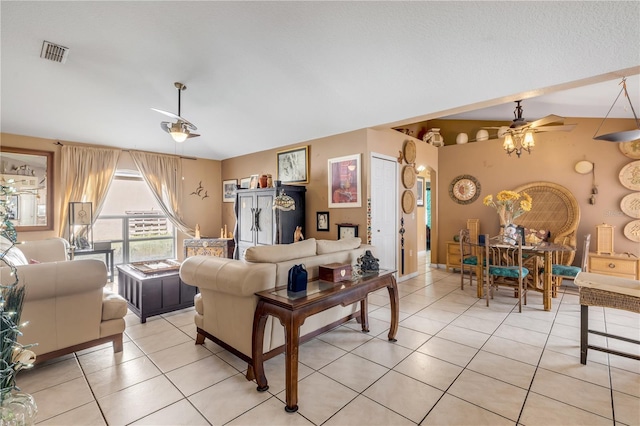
[[293, 308]]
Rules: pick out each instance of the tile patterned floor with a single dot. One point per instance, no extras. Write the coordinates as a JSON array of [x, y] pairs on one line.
[[456, 362]]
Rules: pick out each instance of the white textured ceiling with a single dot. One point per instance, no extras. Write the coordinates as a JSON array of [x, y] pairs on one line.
[[266, 74]]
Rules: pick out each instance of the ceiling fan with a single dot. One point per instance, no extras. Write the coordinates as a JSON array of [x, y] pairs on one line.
[[181, 130], [518, 136]]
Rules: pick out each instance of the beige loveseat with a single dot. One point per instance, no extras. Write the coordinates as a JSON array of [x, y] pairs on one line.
[[226, 303], [66, 304]]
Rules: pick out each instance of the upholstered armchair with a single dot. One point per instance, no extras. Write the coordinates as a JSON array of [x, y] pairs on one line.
[[66, 305]]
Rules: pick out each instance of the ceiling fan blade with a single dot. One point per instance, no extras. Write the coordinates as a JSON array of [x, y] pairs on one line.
[[549, 119], [166, 126], [168, 114], [565, 128], [193, 135]]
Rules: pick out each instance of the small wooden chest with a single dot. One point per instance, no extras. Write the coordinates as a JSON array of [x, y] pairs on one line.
[[335, 272]]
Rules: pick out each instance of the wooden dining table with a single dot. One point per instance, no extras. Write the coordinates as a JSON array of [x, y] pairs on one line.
[[547, 251]]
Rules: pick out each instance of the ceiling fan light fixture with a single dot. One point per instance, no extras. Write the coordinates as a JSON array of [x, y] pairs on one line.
[[528, 142], [508, 143], [179, 136]]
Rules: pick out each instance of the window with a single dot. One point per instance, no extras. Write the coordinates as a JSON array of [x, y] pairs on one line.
[[134, 223]]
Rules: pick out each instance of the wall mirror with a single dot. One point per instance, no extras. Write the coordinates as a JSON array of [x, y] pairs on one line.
[[32, 174]]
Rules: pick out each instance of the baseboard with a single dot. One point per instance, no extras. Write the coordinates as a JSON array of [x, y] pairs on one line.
[[407, 277]]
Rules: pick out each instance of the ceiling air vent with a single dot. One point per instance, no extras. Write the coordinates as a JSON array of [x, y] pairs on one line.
[[54, 52]]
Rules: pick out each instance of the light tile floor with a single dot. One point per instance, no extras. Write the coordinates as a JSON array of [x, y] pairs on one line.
[[456, 361]]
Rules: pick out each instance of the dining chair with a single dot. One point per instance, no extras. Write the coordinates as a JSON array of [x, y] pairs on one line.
[[502, 266], [468, 257], [560, 272]]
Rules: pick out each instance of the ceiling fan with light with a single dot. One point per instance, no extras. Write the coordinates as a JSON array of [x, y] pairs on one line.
[[518, 136], [182, 129]]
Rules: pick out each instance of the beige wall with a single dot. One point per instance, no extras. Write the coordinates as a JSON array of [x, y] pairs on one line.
[[320, 150], [552, 160], [194, 209], [365, 142]]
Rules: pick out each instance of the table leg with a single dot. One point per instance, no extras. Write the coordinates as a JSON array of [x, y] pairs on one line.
[[547, 283], [584, 333], [259, 321], [111, 264], [292, 341], [395, 313], [364, 314]]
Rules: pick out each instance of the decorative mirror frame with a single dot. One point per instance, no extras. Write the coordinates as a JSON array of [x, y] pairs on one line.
[[49, 185]]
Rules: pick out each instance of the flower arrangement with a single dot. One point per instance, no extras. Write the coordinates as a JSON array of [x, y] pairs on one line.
[[509, 205], [15, 407]]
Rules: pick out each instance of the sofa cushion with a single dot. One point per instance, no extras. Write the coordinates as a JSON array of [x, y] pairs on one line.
[[281, 252], [330, 246]]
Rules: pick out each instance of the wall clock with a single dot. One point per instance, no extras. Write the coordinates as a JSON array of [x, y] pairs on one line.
[[347, 230], [464, 189]]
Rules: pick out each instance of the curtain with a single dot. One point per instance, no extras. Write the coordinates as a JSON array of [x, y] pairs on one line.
[[86, 174], [163, 175]]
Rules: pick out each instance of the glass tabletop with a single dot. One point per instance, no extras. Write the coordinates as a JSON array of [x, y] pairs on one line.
[[318, 287]]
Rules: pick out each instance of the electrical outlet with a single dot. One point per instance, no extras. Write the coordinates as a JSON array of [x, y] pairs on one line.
[[410, 253]]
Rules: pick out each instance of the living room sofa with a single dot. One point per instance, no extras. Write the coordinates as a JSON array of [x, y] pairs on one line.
[[66, 304], [226, 303]]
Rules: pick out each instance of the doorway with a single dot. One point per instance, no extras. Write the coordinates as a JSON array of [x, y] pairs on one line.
[[384, 206]]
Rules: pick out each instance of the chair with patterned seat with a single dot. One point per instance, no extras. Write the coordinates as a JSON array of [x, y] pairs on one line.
[[502, 266], [569, 272], [468, 257]]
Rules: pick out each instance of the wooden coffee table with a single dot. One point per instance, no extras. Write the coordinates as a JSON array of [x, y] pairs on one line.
[[293, 308]]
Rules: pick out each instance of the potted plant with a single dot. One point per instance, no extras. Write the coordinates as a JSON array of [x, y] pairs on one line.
[[16, 408]]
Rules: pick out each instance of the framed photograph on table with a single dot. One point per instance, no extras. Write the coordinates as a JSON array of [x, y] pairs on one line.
[[245, 183], [344, 182], [253, 181], [293, 165], [229, 190], [322, 221], [420, 191]]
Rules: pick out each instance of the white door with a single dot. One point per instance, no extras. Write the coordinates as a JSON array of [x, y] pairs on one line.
[[384, 206]]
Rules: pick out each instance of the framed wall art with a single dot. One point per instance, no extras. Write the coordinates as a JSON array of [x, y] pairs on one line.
[[322, 221], [293, 165], [229, 190], [344, 182], [420, 192]]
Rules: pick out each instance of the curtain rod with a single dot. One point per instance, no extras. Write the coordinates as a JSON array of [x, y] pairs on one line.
[[128, 150]]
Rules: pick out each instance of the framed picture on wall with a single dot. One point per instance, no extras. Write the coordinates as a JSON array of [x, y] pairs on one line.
[[420, 191], [344, 182], [322, 221], [293, 165], [229, 190]]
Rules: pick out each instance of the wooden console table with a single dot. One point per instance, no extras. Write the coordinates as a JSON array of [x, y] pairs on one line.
[[293, 308]]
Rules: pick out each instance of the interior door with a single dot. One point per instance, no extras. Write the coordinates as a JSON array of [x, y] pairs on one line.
[[384, 205]]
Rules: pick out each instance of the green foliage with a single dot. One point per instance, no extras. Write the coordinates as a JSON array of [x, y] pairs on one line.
[[13, 356]]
